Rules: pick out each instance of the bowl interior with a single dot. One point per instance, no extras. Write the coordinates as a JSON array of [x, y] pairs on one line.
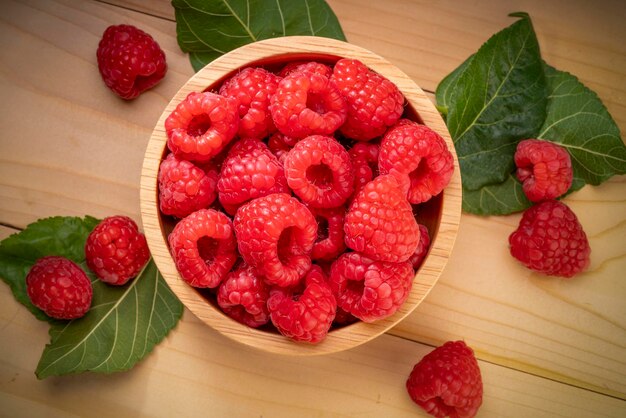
[[440, 214]]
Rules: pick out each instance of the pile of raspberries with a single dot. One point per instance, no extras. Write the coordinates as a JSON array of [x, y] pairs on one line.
[[294, 193]]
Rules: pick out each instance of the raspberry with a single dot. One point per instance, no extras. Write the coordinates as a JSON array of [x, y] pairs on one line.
[[418, 156], [275, 235], [252, 88], [380, 222], [203, 247], [447, 382], [243, 296], [364, 157], [550, 240], [374, 103], [307, 103], [319, 171], [422, 248], [370, 290], [130, 61], [311, 66], [116, 251], [544, 168], [201, 126], [185, 187], [306, 315], [330, 237], [59, 287], [249, 171]]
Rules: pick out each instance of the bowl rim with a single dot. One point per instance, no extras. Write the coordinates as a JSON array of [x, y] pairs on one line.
[[279, 49]]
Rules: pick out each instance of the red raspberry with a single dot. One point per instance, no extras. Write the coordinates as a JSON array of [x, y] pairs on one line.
[[422, 248], [550, 240], [201, 126], [418, 156], [380, 222], [330, 237], [304, 315], [204, 248], [544, 168], [252, 88], [311, 66], [249, 171], [243, 296], [319, 171], [374, 103], [370, 290], [447, 382], [59, 287], [364, 157], [185, 187], [307, 103], [130, 61], [275, 235], [116, 251]]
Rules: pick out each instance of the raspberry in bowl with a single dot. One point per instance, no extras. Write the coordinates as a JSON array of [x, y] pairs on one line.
[[312, 241]]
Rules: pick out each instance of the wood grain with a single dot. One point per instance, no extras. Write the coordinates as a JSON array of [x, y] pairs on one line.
[[68, 146], [443, 222]]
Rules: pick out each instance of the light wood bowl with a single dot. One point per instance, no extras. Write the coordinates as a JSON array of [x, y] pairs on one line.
[[441, 214]]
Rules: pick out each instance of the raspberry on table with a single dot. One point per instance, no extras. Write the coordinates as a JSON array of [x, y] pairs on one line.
[[374, 103], [368, 289], [185, 187], [307, 103], [116, 251], [307, 314], [249, 171], [59, 287], [422, 248], [380, 222], [551, 240], [330, 236], [364, 157], [201, 126], [275, 235], [319, 171], [204, 248], [130, 61], [252, 89], [311, 66], [544, 168], [417, 155], [243, 296], [447, 382]]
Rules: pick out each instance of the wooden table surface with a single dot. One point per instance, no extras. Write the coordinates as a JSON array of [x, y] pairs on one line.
[[68, 146]]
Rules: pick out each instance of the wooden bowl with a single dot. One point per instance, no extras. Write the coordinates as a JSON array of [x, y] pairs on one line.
[[441, 214]]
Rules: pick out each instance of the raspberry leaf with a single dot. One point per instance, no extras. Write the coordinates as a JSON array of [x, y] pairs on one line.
[[498, 99], [208, 29], [578, 121], [123, 324], [496, 199]]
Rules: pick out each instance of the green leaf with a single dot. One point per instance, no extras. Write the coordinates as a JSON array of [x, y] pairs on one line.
[[578, 121], [443, 94], [122, 326], [498, 99], [208, 29], [64, 236], [496, 199]]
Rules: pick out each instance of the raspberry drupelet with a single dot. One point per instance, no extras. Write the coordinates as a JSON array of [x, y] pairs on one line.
[[252, 88], [544, 168], [275, 235], [203, 247], [201, 126], [243, 296], [418, 156], [116, 251], [59, 287], [319, 171]]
